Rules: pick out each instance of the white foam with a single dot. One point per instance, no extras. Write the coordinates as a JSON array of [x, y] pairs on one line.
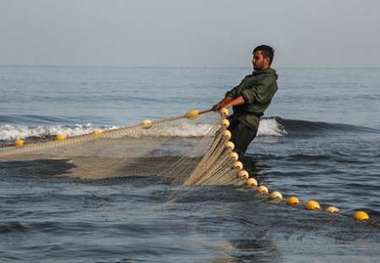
[[271, 127], [267, 127], [180, 129], [11, 132]]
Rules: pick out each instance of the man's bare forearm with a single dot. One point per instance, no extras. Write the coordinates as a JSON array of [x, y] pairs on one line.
[[235, 102], [228, 102]]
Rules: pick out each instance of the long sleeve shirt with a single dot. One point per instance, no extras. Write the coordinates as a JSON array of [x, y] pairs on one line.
[[257, 90]]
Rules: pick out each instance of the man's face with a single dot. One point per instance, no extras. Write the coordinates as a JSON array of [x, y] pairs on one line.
[[259, 61]]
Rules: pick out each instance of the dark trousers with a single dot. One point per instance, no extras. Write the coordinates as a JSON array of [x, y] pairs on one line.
[[242, 136]]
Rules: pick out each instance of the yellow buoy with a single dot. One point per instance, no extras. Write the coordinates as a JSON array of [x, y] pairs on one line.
[[238, 165], [361, 216], [244, 174], [226, 123], [19, 142], [229, 145], [234, 156], [332, 210], [227, 135], [262, 189], [60, 137], [312, 205], [276, 195], [192, 114], [293, 201], [224, 111], [251, 182], [147, 124]]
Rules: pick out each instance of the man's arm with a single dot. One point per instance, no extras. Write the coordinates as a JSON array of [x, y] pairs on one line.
[[230, 97], [228, 102], [222, 103], [235, 102]]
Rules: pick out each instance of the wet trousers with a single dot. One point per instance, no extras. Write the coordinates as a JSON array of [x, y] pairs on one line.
[[242, 136]]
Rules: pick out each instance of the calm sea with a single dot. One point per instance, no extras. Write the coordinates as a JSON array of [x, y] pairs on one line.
[[320, 139]]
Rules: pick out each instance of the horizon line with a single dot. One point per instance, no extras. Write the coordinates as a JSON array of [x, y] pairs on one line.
[[176, 66]]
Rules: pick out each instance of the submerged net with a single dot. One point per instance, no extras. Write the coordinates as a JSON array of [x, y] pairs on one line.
[[152, 148]]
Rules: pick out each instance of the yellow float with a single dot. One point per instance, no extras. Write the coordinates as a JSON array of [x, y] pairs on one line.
[[229, 145], [147, 124], [234, 156], [226, 123], [361, 216], [192, 114], [332, 210], [293, 201], [224, 111], [262, 189], [227, 135], [19, 142], [238, 165], [251, 182], [312, 205], [60, 137], [244, 174], [276, 195], [98, 132]]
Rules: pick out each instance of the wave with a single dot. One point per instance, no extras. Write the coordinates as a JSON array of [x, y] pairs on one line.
[[314, 128], [12, 131], [9, 132], [269, 126]]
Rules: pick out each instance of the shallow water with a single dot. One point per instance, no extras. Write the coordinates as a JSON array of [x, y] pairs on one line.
[[329, 152]]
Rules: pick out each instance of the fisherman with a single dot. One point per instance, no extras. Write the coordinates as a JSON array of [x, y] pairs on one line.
[[250, 99]]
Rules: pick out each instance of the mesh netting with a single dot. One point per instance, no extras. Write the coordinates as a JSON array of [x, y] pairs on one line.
[[153, 148]]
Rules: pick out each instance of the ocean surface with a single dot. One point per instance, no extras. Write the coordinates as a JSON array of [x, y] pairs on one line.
[[319, 139]]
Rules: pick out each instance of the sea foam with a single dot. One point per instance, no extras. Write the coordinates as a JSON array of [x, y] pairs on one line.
[[8, 132]]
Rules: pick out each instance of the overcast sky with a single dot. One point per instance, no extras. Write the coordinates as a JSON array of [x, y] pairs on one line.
[[189, 32]]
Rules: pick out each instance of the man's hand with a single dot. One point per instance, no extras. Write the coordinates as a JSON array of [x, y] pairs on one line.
[[221, 104], [217, 106]]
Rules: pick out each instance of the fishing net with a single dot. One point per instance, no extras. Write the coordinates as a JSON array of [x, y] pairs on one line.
[[164, 148], [151, 148]]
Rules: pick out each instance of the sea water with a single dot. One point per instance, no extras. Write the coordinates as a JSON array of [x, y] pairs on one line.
[[319, 139]]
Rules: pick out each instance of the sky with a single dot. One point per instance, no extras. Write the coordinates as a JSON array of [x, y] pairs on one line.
[[205, 33]]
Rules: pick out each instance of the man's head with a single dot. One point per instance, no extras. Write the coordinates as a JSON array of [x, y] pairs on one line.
[[262, 57]]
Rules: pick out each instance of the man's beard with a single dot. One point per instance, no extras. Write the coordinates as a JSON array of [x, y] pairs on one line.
[[257, 68]]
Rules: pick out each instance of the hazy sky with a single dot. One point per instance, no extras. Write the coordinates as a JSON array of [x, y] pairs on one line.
[[189, 32]]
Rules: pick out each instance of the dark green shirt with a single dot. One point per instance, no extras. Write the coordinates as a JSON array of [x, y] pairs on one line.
[[257, 90]]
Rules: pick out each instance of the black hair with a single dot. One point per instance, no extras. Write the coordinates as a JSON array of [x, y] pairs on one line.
[[268, 51]]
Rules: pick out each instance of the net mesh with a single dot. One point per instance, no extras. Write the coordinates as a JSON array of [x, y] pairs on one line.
[[152, 148]]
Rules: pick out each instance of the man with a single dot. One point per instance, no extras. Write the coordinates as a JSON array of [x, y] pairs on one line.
[[250, 99]]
